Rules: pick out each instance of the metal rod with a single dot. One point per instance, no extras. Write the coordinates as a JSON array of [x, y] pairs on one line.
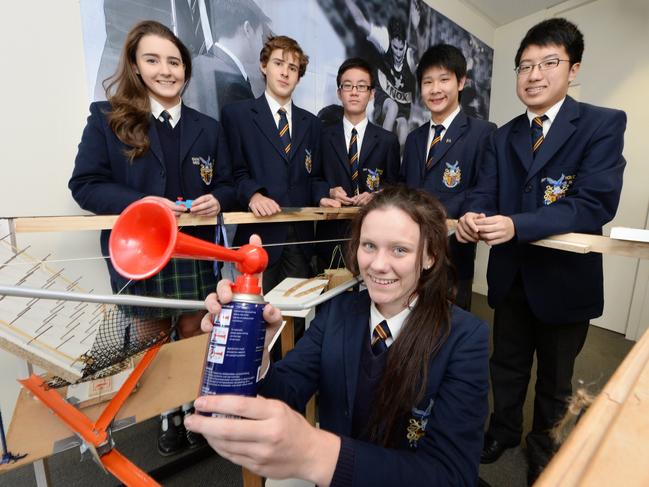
[[128, 300]]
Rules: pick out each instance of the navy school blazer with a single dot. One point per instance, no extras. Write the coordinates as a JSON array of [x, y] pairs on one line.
[[378, 165], [453, 409], [260, 165], [104, 182], [454, 172], [572, 185]]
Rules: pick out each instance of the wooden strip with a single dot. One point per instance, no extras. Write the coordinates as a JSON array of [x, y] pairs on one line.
[[581, 450], [106, 222], [572, 242]]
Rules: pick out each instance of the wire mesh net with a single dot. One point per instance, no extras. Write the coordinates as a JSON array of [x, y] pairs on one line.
[[123, 332]]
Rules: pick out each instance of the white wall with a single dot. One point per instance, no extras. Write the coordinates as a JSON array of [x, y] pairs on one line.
[[614, 73], [45, 106]]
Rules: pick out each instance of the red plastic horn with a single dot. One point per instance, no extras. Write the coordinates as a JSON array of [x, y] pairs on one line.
[[145, 236]]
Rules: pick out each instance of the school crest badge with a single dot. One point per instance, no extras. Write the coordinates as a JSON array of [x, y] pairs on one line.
[[308, 161], [452, 175], [557, 188], [373, 181], [206, 168], [417, 424]]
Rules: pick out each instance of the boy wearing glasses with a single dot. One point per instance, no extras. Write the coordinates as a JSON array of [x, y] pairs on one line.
[[555, 169], [358, 157], [442, 155], [274, 148]]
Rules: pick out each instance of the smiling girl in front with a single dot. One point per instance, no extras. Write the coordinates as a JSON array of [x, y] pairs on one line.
[[402, 373]]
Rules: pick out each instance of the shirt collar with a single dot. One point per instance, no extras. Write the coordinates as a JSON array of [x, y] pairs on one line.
[[157, 109], [360, 127], [274, 105], [395, 323], [234, 58], [448, 120], [551, 113]]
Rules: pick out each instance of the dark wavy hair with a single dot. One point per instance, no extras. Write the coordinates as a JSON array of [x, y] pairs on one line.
[[428, 325], [130, 113]]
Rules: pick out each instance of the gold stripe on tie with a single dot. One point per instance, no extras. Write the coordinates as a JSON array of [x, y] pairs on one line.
[[283, 131], [353, 159], [381, 332], [537, 144], [354, 139], [287, 149]]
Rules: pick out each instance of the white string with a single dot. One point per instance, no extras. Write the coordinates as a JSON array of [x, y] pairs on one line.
[[79, 259]]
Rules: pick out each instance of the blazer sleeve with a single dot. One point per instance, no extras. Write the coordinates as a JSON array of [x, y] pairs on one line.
[[224, 190], [92, 183], [393, 163], [295, 378], [449, 453], [319, 186], [483, 197], [592, 200], [245, 184]]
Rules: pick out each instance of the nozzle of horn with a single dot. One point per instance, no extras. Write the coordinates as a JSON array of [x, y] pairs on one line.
[[145, 236]]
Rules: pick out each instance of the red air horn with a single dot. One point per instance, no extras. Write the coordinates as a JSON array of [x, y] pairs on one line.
[[145, 236]]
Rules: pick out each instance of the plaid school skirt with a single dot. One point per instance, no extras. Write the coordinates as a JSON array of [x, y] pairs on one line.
[[179, 279]]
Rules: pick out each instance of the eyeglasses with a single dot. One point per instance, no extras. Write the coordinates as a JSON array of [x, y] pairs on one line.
[[359, 88], [543, 66]]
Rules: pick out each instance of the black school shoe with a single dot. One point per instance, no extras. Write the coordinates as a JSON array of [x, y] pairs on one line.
[[171, 435], [194, 440]]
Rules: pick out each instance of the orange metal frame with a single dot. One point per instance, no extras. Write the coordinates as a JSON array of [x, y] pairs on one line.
[[96, 434]]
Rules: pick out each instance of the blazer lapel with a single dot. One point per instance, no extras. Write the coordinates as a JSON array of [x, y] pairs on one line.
[[369, 142], [337, 141], [190, 129], [421, 145], [154, 142], [299, 127], [522, 141], [266, 124], [560, 131], [356, 328], [453, 133]]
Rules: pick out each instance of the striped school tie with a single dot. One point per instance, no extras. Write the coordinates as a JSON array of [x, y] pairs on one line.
[[380, 334], [537, 133], [283, 131], [166, 116], [352, 156], [431, 150]]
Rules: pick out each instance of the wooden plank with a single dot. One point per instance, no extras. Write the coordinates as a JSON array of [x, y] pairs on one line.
[[576, 242], [105, 222], [172, 379], [593, 445], [580, 243]]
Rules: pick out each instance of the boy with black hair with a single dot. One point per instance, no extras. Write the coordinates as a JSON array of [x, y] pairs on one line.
[[442, 156], [555, 169], [358, 157], [274, 148]]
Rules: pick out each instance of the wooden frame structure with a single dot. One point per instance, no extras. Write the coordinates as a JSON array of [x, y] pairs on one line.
[[608, 445]]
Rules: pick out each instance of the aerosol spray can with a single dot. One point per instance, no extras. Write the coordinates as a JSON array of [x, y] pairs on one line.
[[236, 345]]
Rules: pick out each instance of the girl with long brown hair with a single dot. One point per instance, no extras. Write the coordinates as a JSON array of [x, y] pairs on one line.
[[145, 143], [402, 373]]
